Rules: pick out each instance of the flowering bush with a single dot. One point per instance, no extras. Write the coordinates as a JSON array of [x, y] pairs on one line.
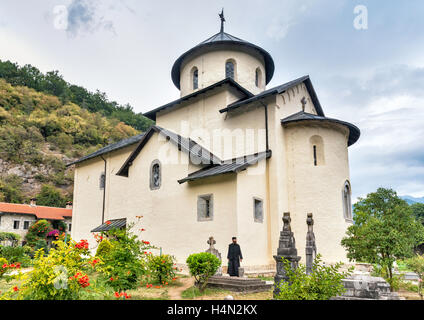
[[38, 231], [16, 254], [61, 275], [202, 266], [125, 263], [162, 268]]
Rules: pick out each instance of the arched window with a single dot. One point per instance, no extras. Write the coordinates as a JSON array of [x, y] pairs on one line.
[[155, 175], [317, 151], [258, 78], [347, 201], [230, 69], [195, 78]]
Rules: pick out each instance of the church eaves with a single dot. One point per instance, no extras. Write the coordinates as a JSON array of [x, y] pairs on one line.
[[152, 114], [354, 132]]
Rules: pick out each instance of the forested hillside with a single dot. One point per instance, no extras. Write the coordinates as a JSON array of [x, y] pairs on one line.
[[53, 83], [46, 123]]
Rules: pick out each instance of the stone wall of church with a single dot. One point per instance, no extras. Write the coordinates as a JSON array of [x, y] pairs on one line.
[[227, 136], [318, 189]]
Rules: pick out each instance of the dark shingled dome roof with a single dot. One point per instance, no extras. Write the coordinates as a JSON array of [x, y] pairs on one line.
[[227, 39]]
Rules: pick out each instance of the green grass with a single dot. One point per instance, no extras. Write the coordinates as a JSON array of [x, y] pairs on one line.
[[194, 292]]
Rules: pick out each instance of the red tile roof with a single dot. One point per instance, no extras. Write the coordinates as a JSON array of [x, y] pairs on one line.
[[40, 212]]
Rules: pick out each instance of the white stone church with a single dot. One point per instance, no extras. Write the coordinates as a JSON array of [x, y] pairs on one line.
[[226, 159]]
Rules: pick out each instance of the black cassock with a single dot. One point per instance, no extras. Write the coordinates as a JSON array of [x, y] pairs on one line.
[[234, 256]]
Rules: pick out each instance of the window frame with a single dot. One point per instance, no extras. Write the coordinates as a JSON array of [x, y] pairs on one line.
[[195, 78], [27, 222], [152, 184], [14, 224], [255, 218], [201, 216], [347, 201], [233, 71]]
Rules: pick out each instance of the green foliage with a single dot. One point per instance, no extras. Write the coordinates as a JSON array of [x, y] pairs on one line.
[[384, 230], [9, 236], [37, 232], [11, 189], [161, 268], [202, 266], [125, 263], [104, 248], [418, 211], [16, 254], [51, 197], [394, 280], [323, 283], [54, 84], [416, 264], [3, 263], [60, 275]]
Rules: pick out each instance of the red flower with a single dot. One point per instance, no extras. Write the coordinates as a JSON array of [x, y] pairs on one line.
[[5, 266], [111, 279], [108, 223], [117, 295], [15, 289]]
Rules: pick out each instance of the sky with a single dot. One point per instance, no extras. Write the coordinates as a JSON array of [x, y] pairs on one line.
[[366, 63]]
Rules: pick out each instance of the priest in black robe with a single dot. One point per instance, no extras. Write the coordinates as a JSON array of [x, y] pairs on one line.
[[234, 258]]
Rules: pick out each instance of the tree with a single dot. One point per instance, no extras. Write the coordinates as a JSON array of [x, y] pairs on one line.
[[416, 264], [418, 211], [202, 266], [384, 230], [51, 197]]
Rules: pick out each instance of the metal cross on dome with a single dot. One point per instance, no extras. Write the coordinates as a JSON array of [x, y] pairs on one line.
[[221, 15]]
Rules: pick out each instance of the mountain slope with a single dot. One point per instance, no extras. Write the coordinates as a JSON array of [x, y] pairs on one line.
[[39, 134], [412, 200]]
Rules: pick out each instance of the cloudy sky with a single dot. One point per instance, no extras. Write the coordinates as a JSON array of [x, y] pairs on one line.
[[372, 77]]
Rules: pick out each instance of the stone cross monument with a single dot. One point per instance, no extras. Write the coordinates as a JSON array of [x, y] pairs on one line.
[[286, 249], [311, 249], [211, 242]]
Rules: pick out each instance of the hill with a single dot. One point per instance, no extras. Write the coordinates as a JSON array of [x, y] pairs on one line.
[[412, 200], [39, 134]]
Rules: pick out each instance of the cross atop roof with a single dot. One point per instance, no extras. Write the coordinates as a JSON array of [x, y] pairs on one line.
[[221, 15]]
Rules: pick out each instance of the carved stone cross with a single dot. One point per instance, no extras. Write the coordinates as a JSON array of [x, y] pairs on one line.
[[211, 242]]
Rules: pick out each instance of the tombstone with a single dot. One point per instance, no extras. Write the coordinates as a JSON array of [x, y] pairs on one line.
[[311, 249], [286, 249], [211, 242]]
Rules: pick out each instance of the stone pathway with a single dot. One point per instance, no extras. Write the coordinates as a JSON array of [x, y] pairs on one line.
[[175, 293]]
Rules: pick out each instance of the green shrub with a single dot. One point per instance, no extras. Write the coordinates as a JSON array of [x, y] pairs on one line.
[[16, 254], [9, 236], [3, 263], [125, 263], [202, 266], [104, 248], [37, 231], [323, 283], [60, 275], [394, 281], [161, 268]]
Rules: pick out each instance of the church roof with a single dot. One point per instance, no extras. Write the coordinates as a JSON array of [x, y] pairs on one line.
[[278, 90], [112, 147], [233, 166], [41, 212], [152, 114], [187, 145], [223, 38], [354, 132]]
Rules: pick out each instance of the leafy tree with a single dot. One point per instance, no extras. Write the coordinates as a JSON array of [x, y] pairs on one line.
[[202, 266], [416, 264], [384, 230], [50, 196], [418, 211]]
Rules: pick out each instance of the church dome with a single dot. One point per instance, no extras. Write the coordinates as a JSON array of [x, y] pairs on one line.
[[217, 42]]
